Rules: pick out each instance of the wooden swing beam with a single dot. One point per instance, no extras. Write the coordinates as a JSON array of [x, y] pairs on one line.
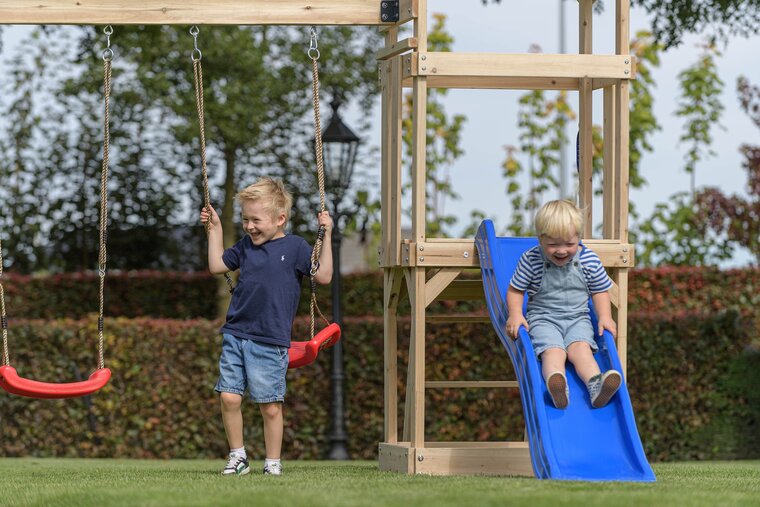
[[191, 12]]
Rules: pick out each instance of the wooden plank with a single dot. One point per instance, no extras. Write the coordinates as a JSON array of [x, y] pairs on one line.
[[586, 156], [397, 48], [480, 460], [463, 290], [415, 279], [521, 65], [612, 252], [437, 253], [191, 12], [449, 319], [408, 11], [498, 83], [609, 219], [471, 384], [395, 458], [438, 282], [621, 278], [586, 122], [392, 279]]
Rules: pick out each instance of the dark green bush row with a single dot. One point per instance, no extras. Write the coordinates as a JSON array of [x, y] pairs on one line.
[[692, 378], [172, 295], [192, 295]]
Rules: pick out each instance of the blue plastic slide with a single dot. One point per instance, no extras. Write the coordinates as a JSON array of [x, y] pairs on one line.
[[580, 442]]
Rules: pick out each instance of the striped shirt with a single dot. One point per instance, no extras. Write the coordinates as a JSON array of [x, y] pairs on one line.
[[530, 271]]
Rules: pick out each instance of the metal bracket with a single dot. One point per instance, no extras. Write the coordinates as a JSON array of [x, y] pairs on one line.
[[389, 11]]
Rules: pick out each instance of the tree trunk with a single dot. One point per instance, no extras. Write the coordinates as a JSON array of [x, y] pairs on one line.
[[227, 216]]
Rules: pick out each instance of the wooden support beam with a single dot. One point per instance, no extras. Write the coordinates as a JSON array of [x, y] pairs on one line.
[[450, 252], [392, 288], [450, 319], [532, 65], [408, 10], [397, 48], [471, 384], [191, 12], [438, 282], [609, 217], [498, 83], [457, 458]]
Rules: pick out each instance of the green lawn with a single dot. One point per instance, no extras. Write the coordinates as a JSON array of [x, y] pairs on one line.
[[80, 482]]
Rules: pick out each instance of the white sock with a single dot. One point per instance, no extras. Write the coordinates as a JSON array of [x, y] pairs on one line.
[[239, 452], [268, 462]]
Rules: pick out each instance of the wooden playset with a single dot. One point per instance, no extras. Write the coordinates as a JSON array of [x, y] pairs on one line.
[[423, 268]]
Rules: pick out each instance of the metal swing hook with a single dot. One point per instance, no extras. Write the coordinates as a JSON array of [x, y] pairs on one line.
[[313, 49], [196, 55], [108, 52]]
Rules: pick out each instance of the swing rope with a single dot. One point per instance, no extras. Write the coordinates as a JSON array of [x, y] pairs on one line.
[[9, 378], [313, 53], [102, 256], [196, 57], [3, 318], [107, 57]]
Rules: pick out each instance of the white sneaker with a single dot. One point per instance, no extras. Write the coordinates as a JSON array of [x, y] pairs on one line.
[[236, 465], [273, 469], [602, 388]]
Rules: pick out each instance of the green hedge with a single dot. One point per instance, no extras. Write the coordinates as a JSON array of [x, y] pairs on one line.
[[167, 294], [693, 380], [191, 295]]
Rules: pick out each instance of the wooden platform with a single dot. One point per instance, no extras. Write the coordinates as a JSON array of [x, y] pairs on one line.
[[457, 458]]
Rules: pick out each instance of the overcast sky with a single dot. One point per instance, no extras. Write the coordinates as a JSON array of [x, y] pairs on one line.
[[512, 27]]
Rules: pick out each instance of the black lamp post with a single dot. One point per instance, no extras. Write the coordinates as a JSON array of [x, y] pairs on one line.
[[339, 145]]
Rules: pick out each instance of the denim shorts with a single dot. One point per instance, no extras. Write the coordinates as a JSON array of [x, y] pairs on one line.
[[259, 367], [549, 333]]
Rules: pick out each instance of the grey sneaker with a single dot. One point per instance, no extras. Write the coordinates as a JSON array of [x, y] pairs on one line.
[[601, 388], [273, 469], [236, 465], [558, 389]]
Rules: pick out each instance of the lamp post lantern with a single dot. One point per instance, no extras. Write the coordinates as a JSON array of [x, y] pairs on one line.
[[339, 146]]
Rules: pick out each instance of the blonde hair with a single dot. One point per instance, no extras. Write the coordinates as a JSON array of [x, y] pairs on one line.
[[559, 219], [271, 193]]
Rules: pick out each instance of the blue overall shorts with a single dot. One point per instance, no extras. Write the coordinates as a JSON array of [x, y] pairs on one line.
[[558, 312]]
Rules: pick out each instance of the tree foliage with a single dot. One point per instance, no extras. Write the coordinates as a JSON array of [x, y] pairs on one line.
[[258, 119], [700, 106], [443, 135], [673, 19], [736, 217]]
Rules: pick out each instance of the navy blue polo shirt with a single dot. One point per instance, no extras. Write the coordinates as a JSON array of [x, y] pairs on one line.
[[265, 301]]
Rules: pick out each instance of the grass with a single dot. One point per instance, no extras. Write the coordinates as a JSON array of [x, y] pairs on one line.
[[80, 482]]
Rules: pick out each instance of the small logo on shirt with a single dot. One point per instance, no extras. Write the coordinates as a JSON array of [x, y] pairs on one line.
[[282, 259]]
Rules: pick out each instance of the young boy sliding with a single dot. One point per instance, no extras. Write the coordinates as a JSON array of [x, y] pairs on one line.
[[559, 275], [256, 334]]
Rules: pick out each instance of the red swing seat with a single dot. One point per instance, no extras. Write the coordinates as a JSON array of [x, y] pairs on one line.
[[303, 353], [14, 384]]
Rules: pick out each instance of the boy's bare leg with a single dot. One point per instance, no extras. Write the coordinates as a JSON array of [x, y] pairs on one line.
[[232, 418], [579, 353], [553, 360], [273, 428]]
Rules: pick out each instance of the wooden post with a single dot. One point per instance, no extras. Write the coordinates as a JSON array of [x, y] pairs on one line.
[[416, 275], [622, 133], [585, 92]]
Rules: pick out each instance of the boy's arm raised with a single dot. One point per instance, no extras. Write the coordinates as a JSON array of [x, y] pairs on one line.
[[215, 241], [325, 272]]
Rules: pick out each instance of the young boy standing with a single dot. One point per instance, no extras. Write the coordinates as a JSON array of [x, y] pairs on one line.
[[256, 334], [559, 275]]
